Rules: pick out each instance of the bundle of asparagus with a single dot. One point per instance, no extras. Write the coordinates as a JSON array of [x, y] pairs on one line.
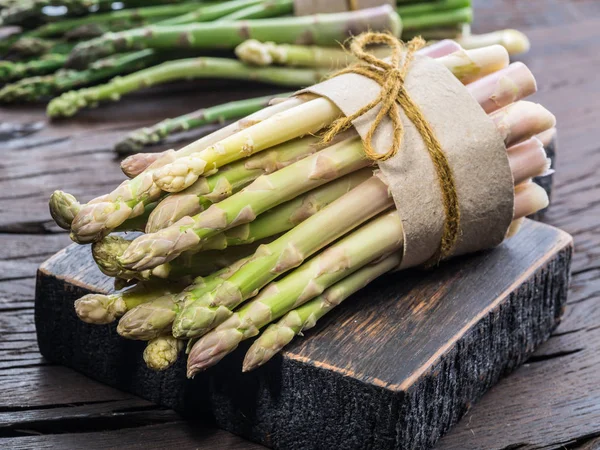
[[272, 223]]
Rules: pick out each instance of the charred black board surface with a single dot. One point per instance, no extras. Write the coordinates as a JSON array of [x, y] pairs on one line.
[[394, 367]]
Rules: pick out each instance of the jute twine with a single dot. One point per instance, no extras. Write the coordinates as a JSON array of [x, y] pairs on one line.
[[390, 76]]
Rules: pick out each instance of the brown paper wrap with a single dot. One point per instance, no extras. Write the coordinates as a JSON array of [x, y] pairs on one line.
[[308, 7], [474, 149]]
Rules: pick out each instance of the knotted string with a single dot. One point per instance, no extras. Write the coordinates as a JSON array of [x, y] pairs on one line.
[[390, 76]]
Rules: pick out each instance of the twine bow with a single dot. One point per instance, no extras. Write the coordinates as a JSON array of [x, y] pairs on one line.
[[390, 76]]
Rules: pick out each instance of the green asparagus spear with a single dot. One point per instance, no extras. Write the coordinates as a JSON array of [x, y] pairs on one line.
[[441, 19], [262, 10], [37, 88], [305, 317], [144, 137], [322, 29], [184, 69], [210, 12], [95, 25], [282, 255], [10, 70], [379, 237]]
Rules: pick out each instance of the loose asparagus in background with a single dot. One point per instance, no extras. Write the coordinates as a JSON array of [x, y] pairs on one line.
[[10, 70], [263, 10], [37, 88], [144, 137], [227, 181], [305, 317], [142, 323], [103, 214], [161, 352], [514, 41], [321, 29], [102, 309], [96, 24], [216, 11], [71, 102], [529, 198]]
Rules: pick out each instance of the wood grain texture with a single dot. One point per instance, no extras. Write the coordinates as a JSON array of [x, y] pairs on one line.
[[394, 368], [532, 412]]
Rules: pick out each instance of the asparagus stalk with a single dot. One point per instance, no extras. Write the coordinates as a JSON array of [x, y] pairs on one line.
[[229, 180], [521, 120], [381, 236], [184, 69], [103, 214], [289, 251], [266, 192], [210, 12], [36, 88], [10, 70], [162, 352], [262, 10], [305, 317], [303, 119], [513, 40], [102, 309], [144, 137], [527, 160], [321, 29], [428, 7]]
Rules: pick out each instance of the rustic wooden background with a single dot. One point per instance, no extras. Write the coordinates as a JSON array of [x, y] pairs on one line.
[[551, 402]]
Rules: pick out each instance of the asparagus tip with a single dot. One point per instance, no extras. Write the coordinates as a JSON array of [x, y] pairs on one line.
[[99, 309], [148, 320], [162, 352], [63, 208], [106, 251]]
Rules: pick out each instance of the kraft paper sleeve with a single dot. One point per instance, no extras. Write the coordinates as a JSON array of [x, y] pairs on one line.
[[474, 149]]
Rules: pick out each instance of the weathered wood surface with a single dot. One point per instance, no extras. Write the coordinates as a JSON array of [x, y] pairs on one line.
[[394, 368], [552, 402]]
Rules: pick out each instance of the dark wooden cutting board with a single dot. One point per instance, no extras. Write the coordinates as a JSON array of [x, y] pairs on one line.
[[394, 367]]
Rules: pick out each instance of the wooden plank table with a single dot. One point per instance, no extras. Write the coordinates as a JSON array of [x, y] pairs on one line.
[[551, 402]]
